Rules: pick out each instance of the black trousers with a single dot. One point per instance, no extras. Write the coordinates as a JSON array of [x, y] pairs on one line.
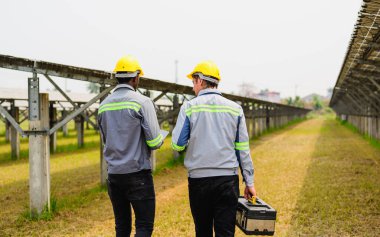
[[136, 190], [213, 202]]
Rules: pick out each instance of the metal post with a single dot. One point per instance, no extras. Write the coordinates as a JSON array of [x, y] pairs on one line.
[[87, 124], [39, 154], [79, 126], [65, 128], [15, 136], [7, 130], [267, 117], [53, 121]]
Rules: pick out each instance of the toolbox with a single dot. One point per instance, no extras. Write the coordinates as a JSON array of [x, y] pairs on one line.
[[255, 218]]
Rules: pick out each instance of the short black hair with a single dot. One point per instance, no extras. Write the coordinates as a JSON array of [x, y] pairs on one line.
[[211, 84], [124, 80]]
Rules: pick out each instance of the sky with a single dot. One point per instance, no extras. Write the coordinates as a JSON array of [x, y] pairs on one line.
[[295, 47]]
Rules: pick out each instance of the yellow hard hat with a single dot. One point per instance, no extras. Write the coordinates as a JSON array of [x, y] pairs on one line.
[[128, 64], [206, 69]]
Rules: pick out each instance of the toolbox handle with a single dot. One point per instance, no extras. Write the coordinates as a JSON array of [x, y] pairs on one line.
[[259, 202]]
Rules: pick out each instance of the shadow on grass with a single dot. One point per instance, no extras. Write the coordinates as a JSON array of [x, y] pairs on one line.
[[340, 193]]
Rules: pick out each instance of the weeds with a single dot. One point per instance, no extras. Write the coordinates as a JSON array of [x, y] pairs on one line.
[[47, 213]]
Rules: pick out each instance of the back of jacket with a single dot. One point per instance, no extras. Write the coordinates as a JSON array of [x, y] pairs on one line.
[[213, 129], [129, 129]]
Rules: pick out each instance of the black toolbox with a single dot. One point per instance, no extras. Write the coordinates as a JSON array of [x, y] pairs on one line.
[[255, 219]]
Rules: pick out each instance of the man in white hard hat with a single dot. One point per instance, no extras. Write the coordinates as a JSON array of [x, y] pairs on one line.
[[214, 131]]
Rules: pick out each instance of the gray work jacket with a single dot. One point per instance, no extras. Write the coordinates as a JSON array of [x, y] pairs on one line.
[[214, 130], [129, 129]]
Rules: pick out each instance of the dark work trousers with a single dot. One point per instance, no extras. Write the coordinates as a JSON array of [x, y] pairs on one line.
[[134, 189], [213, 202]]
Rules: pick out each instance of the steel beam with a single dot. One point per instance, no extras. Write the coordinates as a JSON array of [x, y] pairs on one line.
[[79, 110], [375, 83], [15, 138], [70, 101], [101, 77], [12, 121], [160, 96], [369, 62], [359, 108], [365, 73], [33, 97]]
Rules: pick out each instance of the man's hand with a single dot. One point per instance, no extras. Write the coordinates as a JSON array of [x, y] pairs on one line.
[[249, 192]]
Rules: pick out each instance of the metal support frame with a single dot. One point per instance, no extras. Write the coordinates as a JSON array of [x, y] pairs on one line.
[[52, 121], [13, 122], [15, 138], [374, 82], [79, 110], [160, 96], [33, 97], [372, 93], [106, 78], [26, 116], [358, 107], [166, 95], [70, 101], [367, 99]]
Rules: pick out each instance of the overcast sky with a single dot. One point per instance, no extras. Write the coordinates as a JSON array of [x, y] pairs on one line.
[[279, 45]]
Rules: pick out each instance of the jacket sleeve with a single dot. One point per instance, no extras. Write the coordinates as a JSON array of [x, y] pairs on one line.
[[181, 131], [243, 151], [102, 135], [150, 126]]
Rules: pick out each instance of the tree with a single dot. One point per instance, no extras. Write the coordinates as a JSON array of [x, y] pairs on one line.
[[317, 103], [93, 88], [289, 101], [297, 101]]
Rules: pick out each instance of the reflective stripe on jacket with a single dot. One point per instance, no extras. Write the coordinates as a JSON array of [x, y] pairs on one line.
[[129, 129], [214, 130]]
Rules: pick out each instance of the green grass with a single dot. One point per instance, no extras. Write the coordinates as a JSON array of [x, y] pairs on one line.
[[373, 141], [47, 213], [272, 130], [340, 195]]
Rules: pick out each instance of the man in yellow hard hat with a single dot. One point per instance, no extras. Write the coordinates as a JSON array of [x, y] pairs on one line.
[[130, 130], [214, 131]]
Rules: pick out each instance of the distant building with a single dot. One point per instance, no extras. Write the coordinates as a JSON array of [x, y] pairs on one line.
[[267, 95]]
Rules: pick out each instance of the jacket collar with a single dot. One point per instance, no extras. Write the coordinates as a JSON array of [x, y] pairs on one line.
[[209, 91], [124, 86]]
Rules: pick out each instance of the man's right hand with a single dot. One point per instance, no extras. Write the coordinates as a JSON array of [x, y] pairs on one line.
[[249, 192]]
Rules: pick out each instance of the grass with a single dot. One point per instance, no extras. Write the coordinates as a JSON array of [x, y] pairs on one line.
[[340, 195], [272, 130], [374, 142], [322, 179], [47, 213]]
